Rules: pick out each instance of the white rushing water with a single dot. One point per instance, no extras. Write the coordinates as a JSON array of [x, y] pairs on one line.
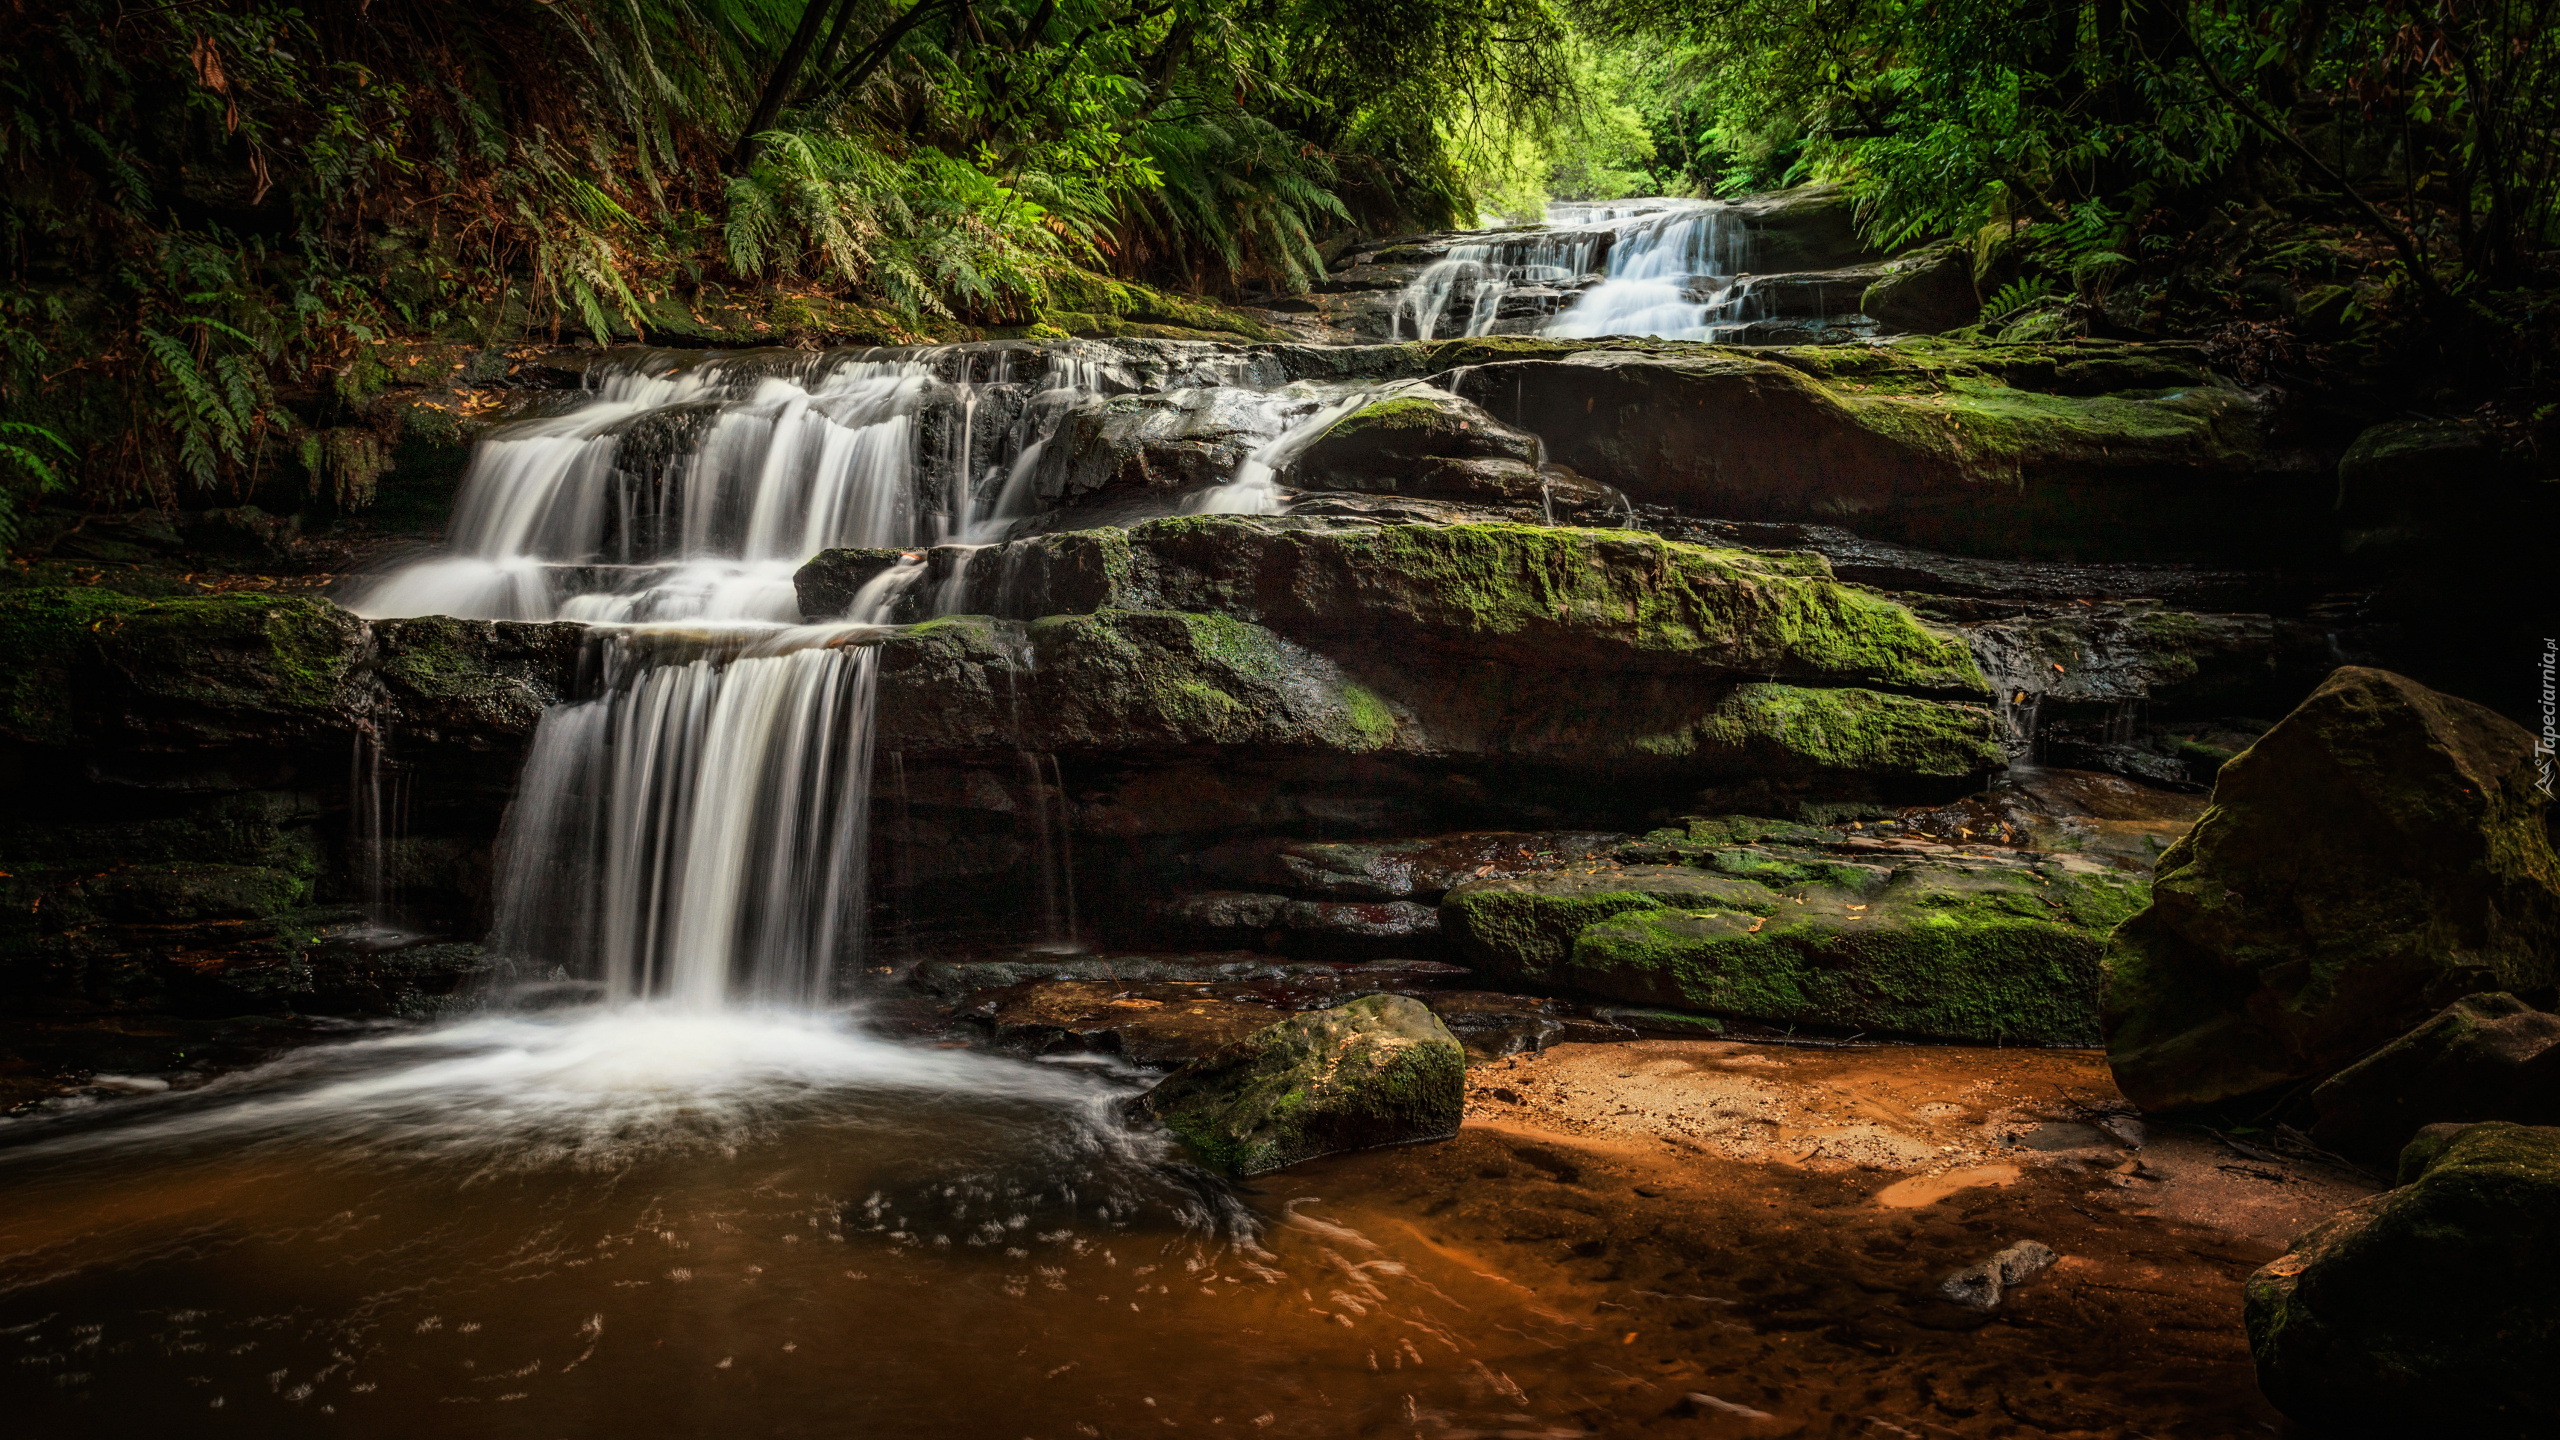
[[1678, 270], [752, 472], [697, 831]]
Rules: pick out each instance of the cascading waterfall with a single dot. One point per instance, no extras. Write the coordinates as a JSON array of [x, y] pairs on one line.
[[1680, 275], [696, 832], [1674, 269], [1483, 274], [750, 473]]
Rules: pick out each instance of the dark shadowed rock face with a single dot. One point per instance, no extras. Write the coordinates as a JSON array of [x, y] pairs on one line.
[[1925, 290], [2486, 1057], [2426, 1310], [2378, 854], [1379, 1071]]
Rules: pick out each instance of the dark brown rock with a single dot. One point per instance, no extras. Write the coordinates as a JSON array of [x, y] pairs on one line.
[[2378, 854]]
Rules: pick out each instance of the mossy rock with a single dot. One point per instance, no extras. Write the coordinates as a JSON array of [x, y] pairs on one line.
[[2484, 1057], [1530, 592], [1382, 1070], [2378, 854], [1985, 449], [2425, 1310], [205, 667], [1404, 442], [1989, 951]]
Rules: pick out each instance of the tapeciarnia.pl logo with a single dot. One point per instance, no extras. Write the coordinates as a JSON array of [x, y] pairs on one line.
[[2543, 747]]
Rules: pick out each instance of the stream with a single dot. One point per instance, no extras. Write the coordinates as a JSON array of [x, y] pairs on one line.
[[672, 1178]]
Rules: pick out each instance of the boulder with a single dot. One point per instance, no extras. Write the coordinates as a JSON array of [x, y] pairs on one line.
[[1491, 1024], [2378, 854], [1928, 443], [1381, 1070], [1811, 227], [1925, 290], [2485, 1057], [1397, 435], [1980, 948], [2425, 1310]]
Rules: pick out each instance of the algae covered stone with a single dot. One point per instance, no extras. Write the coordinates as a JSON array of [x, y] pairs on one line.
[[1382, 1070], [1988, 950], [2426, 1310], [2378, 854]]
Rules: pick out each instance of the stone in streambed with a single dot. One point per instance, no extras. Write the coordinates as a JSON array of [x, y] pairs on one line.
[[1155, 1024], [1379, 1071], [2485, 1057], [2378, 854], [1491, 1024], [1982, 1285], [2429, 1309], [1956, 948]]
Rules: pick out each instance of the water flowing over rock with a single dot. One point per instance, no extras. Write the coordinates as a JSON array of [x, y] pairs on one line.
[[2378, 854], [2426, 1309], [698, 830]]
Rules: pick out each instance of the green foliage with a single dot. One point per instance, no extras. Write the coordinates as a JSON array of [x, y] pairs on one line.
[[2077, 119], [215, 210], [21, 450], [2015, 296]]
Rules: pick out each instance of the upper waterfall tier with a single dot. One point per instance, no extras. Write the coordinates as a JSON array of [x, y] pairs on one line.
[[1780, 267]]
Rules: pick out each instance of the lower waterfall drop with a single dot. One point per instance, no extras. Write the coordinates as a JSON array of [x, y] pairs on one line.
[[697, 832]]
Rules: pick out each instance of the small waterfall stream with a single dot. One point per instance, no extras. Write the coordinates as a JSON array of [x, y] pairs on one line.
[[1680, 270]]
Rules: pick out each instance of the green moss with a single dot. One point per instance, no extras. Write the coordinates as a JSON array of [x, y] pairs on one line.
[[1788, 937], [1942, 962], [1407, 412], [1489, 585], [1379, 1070], [1854, 731]]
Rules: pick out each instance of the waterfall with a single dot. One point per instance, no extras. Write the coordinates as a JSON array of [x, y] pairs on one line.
[[675, 492], [1681, 274], [697, 831], [1677, 269], [1481, 274]]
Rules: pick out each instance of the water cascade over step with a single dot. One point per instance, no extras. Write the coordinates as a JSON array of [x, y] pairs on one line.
[[697, 832], [679, 488], [1679, 270]]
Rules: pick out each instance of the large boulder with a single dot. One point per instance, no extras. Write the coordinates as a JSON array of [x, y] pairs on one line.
[[1382, 1070], [94, 666], [2426, 1310], [1984, 947], [1415, 439], [1925, 290], [2086, 451], [2486, 1057], [2378, 854]]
